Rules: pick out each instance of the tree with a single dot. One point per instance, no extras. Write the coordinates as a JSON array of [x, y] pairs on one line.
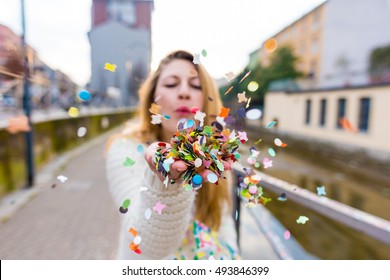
[[282, 66], [380, 64]]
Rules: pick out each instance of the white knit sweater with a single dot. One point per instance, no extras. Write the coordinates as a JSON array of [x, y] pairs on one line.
[[162, 235]]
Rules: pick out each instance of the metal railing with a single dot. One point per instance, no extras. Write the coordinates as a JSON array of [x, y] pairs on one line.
[[364, 222]]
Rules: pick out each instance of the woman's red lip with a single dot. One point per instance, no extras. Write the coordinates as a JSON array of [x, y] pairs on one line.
[[183, 109]]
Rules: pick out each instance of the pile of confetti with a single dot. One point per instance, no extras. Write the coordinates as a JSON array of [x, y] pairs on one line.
[[251, 189], [201, 148]]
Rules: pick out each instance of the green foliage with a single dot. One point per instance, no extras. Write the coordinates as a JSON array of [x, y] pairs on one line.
[[282, 66], [380, 60]]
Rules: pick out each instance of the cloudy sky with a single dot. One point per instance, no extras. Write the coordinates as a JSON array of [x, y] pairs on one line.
[[227, 30]]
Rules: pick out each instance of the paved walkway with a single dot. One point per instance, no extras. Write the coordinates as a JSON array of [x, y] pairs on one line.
[[78, 219]]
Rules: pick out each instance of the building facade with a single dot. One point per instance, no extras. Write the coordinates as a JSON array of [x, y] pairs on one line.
[[120, 35], [47, 86], [355, 117], [334, 42]]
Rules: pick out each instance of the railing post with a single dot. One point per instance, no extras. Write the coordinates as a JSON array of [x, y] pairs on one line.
[[27, 106]]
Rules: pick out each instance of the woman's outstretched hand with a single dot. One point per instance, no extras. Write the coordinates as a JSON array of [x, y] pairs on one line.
[[177, 167]]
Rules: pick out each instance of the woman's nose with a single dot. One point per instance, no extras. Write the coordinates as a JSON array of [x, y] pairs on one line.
[[184, 92]]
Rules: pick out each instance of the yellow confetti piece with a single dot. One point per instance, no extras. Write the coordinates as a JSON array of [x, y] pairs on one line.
[[258, 141], [253, 86], [249, 102], [110, 67], [73, 112]]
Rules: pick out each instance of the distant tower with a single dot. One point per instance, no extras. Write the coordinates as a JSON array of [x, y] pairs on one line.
[[120, 34]]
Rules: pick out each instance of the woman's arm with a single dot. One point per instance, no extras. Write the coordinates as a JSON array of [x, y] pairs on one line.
[[162, 234]]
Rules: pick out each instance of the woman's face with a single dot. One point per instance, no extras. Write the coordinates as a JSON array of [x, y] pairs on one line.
[[177, 92]]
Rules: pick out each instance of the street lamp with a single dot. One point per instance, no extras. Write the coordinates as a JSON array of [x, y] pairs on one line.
[[26, 106]]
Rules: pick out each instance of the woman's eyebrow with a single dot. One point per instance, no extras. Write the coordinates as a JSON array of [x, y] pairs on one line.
[[173, 76]]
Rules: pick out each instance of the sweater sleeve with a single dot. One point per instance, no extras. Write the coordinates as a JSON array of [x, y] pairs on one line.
[[161, 234]]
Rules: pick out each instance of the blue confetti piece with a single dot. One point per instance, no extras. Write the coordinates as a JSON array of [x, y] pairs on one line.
[[271, 124], [271, 152], [189, 123], [84, 95], [197, 179], [140, 148]]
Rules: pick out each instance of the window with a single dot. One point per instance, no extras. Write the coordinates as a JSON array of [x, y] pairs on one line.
[[341, 105], [314, 47], [308, 111], [322, 112], [364, 113]]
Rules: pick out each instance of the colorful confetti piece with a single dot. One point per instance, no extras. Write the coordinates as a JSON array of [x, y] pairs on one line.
[[302, 220], [253, 114], [159, 207], [148, 213], [196, 59], [81, 131], [270, 124], [229, 90], [140, 148], [128, 162], [84, 95], [110, 67], [270, 45], [241, 97], [253, 86], [73, 112], [62, 178], [321, 190], [245, 76], [230, 76]]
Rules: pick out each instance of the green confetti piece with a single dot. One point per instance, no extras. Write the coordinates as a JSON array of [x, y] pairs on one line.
[[204, 53], [208, 130], [258, 141], [126, 203], [128, 162], [220, 166]]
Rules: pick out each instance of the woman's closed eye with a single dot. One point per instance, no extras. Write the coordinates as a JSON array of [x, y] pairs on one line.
[[171, 85], [196, 86]]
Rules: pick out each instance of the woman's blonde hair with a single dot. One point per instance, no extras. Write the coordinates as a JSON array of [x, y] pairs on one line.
[[211, 199]]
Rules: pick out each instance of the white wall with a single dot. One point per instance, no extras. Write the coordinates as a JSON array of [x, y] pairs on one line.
[[290, 108], [352, 28], [114, 43]]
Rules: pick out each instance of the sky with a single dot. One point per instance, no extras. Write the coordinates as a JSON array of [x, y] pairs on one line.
[[228, 30]]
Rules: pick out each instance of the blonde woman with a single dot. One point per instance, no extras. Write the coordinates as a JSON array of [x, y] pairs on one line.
[[170, 222]]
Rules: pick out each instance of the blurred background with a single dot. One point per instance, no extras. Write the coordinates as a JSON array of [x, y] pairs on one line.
[[320, 70]]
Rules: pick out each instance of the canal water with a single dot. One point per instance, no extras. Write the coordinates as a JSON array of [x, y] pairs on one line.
[[321, 236]]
